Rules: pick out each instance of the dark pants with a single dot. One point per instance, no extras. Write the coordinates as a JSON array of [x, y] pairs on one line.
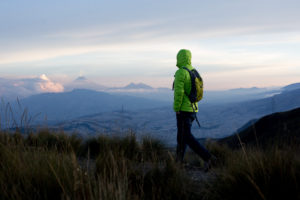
[[185, 137]]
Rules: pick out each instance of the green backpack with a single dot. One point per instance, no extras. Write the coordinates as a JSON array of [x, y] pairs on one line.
[[196, 93]]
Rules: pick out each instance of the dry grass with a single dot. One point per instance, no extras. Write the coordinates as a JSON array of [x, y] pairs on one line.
[[58, 166], [255, 173]]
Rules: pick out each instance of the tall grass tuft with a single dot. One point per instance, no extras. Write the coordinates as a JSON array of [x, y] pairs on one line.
[[153, 150], [58, 141], [101, 145], [27, 173], [112, 176], [257, 174], [57, 166], [168, 182]]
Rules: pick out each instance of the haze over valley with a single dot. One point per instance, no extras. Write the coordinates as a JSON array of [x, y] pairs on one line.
[[142, 108]]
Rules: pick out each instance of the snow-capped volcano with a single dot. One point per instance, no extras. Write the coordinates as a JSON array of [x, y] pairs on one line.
[[82, 82]]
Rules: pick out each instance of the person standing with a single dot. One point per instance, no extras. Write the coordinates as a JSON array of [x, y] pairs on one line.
[[185, 110]]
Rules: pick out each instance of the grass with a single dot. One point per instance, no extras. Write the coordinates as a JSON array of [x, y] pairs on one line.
[[57, 166], [49, 165], [256, 173], [27, 173]]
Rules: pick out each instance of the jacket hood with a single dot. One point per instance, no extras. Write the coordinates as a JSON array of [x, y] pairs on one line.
[[184, 58]]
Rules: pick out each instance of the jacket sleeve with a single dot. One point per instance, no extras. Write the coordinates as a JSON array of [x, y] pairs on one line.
[[178, 89]]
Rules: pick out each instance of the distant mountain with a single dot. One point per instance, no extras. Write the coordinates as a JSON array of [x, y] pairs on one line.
[[238, 95], [132, 87], [138, 86], [283, 126], [210, 96], [293, 86], [82, 82], [80, 102], [252, 89], [144, 91], [81, 78]]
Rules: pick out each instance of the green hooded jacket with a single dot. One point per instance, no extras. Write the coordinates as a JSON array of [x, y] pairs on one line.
[[182, 83]]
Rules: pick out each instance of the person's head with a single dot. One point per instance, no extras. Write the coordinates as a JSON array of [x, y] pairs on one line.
[[184, 58]]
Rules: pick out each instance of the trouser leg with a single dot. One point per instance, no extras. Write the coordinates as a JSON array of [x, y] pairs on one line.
[[187, 119], [198, 148], [181, 143]]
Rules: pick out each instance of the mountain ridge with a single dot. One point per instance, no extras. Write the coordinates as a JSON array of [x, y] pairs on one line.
[[293, 86], [280, 126], [80, 102]]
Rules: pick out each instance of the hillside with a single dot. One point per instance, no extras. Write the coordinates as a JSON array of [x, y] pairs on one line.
[[80, 102], [282, 126], [217, 120]]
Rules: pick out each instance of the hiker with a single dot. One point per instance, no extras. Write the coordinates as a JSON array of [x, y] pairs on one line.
[[185, 110]]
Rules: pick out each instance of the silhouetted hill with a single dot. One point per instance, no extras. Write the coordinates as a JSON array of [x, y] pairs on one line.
[[283, 126], [79, 102]]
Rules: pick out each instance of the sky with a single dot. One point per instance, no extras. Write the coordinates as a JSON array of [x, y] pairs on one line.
[[234, 43]]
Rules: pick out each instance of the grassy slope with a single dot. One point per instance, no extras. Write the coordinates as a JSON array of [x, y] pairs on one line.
[[57, 166]]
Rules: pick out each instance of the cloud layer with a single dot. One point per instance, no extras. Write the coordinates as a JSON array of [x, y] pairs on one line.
[[19, 88]]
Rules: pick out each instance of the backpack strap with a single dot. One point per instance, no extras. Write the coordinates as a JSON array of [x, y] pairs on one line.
[[193, 77]]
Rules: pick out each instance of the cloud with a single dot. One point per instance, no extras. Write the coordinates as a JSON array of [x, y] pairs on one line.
[[13, 88], [46, 85]]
